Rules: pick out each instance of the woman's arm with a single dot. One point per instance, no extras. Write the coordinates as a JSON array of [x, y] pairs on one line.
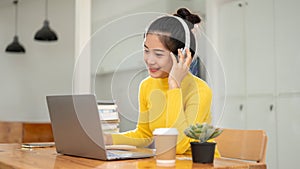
[[141, 136], [196, 104], [195, 108]]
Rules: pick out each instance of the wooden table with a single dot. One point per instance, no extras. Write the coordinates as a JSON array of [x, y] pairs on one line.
[[13, 156]]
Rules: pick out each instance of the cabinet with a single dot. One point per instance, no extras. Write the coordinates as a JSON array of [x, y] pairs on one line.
[[287, 46], [246, 45], [259, 47], [261, 114], [231, 37], [287, 81], [288, 131], [258, 43], [232, 47], [234, 115]]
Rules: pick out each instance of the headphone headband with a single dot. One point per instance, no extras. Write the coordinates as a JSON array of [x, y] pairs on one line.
[[186, 30]]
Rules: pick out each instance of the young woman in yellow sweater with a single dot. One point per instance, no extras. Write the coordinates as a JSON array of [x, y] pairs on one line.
[[171, 97]]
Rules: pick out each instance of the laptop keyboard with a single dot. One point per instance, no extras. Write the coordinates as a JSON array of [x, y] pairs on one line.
[[117, 154], [111, 155]]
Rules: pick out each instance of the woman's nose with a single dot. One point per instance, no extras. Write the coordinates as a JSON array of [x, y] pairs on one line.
[[150, 59]]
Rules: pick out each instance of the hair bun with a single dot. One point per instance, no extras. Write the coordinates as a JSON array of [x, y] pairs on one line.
[[187, 15], [183, 12]]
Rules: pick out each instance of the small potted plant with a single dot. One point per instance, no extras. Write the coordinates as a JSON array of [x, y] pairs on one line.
[[202, 151]]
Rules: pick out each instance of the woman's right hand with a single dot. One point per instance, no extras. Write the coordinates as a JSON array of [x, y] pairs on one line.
[[179, 69]]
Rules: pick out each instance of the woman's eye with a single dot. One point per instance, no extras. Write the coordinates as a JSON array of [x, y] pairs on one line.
[[146, 51], [159, 54]]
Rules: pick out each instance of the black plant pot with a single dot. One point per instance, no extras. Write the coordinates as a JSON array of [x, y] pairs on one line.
[[203, 152]]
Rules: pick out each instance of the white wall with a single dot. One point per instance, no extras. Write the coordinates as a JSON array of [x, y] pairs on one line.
[[45, 68]]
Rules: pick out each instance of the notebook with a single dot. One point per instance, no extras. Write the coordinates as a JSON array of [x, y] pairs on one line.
[[77, 129]]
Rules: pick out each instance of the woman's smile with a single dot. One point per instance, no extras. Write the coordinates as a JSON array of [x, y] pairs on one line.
[[152, 70]]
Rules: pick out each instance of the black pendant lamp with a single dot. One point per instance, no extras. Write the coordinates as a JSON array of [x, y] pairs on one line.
[[45, 33], [15, 46]]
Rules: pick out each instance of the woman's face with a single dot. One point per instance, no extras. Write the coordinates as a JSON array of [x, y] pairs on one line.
[[157, 57]]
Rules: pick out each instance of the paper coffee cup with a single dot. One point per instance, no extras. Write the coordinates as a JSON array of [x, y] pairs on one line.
[[165, 144]]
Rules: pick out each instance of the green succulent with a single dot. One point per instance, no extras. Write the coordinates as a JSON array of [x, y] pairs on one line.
[[202, 132]]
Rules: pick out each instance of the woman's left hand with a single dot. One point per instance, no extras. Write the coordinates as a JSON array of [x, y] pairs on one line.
[[179, 69]]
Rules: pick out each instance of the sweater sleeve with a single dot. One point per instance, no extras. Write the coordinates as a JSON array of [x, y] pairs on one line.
[[182, 113], [141, 136]]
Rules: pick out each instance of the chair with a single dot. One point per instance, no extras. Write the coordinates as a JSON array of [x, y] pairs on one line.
[[195, 67], [23, 132], [250, 145]]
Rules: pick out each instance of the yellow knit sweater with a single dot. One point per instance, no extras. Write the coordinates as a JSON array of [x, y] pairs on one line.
[[164, 108]]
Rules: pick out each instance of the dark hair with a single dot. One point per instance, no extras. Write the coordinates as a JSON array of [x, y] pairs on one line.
[[171, 32]]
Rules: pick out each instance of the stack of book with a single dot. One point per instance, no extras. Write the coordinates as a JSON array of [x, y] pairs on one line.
[[109, 116]]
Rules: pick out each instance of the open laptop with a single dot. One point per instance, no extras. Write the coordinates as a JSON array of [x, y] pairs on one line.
[[77, 129]]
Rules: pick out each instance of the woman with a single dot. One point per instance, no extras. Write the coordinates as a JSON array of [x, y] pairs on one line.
[[171, 96]]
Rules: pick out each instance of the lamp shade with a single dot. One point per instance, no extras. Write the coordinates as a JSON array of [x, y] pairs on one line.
[[15, 46], [45, 33]]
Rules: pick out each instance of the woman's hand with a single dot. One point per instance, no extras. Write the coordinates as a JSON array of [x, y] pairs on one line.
[[179, 69]]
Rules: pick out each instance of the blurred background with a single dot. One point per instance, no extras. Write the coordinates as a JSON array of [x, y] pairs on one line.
[[249, 49]]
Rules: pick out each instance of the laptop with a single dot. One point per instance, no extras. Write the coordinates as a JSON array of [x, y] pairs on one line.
[[77, 129]]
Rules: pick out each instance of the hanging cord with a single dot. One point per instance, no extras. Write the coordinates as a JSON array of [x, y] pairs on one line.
[[46, 10], [16, 16]]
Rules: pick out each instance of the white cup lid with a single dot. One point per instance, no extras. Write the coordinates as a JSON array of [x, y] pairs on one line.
[[165, 131]]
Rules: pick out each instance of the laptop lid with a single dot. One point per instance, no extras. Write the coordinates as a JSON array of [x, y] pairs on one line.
[[76, 125], [77, 129]]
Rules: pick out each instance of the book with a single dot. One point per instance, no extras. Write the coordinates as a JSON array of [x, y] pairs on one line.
[[109, 115], [109, 126]]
